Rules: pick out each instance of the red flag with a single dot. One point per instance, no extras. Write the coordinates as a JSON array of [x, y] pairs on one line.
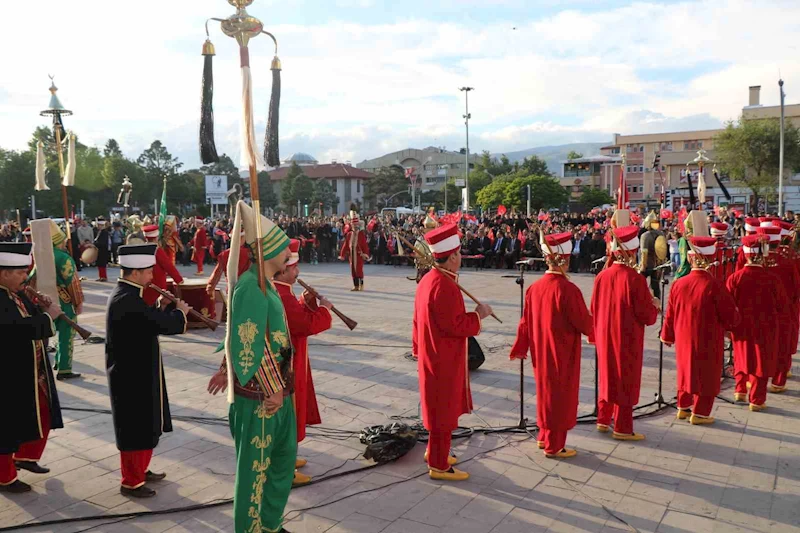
[[491, 235], [597, 225], [666, 214], [501, 210], [521, 238], [622, 192]]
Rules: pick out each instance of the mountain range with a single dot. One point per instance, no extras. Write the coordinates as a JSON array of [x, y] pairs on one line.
[[555, 155]]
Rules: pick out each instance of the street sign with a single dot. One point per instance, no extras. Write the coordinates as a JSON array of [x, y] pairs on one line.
[[460, 182], [216, 189]]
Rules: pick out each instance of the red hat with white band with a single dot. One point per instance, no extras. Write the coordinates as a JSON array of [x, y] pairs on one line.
[[773, 232], [443, 240], [705, 246], [751, 224], [294, 247], [199, 220], [150, 232], [768, 222], [751, 245], [719, 229], [786, 228], [557, 244], [628, 238]]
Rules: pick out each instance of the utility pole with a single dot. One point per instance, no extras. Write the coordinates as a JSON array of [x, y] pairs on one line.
[[467, 116], [780, 157], [529, 201]]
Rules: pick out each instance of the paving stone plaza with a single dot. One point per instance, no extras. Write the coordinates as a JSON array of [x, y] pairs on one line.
[[741, 474]]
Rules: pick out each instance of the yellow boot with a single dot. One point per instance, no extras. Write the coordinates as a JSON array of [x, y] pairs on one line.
[[739, 397], [448, 475], [749, 385], [602, 428], [540, 444], [775, 389], [789, 373], [451, 460], [563, 454], [756, 408], [696, 420], [627, 436], [300, 463], [683, 414], [300, 479]]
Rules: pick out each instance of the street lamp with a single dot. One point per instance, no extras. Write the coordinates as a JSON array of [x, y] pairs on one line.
[[467, 116]]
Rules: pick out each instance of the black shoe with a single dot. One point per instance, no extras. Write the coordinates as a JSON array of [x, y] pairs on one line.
[[31, 466], [141, 492], [17, 487], [152, 476], [67, 375]]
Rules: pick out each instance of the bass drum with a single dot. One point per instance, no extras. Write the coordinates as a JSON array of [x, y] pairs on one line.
[[88, 254]]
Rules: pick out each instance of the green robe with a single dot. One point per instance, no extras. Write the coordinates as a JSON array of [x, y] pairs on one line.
[[683, 250], [65, 274], [266, 445]]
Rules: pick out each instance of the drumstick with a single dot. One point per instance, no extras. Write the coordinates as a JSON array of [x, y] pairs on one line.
[[199, 316]]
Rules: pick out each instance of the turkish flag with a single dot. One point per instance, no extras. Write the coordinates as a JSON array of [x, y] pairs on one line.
[[501, 210]]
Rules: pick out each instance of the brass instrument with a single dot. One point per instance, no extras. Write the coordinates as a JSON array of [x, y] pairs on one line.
[[212, 325], [37, 297], [349, 322]]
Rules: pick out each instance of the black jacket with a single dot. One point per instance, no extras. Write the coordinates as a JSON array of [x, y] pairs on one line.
[[139, 402], [101, 241], [19, 394]]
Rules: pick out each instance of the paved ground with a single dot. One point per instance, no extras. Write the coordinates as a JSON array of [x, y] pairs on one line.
[[740, 475]]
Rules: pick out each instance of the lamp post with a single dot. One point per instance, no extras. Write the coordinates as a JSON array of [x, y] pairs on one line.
[[467, 116], [56, 110], [780, 157]]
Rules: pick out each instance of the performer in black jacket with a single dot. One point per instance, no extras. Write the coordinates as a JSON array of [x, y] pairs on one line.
[[139, 401], [28, 395], [103, 243]]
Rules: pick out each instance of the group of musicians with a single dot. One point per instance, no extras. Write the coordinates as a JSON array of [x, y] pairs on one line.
[[267, 374]]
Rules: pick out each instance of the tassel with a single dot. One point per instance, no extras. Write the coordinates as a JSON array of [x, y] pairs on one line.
[[721, 186], [701, 187], [692, 200], [41, 184], [271, 153], [208, 149], [69, 174]]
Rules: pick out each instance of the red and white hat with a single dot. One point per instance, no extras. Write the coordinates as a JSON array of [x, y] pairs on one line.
[[773, 232], [557, 243], [751, 224], [199, 220], [628, 238], [150, 232], [719, 229], [705, 246], [768, 222], [751, 245], [786, 228], [443, 240], [294, 247]]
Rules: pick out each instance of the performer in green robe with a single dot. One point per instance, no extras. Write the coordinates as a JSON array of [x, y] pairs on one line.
[[683, 250], [258, 370]]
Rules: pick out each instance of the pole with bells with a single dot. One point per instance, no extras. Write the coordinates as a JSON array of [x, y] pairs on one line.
[[56, 110], [242, 27]]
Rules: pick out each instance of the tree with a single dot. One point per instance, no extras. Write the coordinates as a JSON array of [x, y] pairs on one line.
[[112, 149], [535, 166], [324, 194], [288, 196], [17, 171], [157, 164], [303, 189], [266, 191], [546, 192], [748, 152], [592, 197], [574, 155], [383, 188], [493, 194]]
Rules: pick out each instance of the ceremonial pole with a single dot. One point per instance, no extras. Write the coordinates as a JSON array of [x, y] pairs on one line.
[[242, 27], [56, 110]]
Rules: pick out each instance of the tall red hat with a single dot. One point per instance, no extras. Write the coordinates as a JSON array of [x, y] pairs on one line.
[[750, 225], [773, 232], [443, 240], [294, 247], [705, 246], [557, 244], [786, 228], [751, 244], [719, 229], [628, 238], [150, 232], [767, 222]]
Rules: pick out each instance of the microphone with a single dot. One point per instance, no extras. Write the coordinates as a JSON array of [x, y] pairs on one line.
[[665, 266], [530, 262], [601, 260]]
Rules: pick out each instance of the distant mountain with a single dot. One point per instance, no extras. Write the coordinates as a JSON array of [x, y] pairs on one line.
[[554, 155]]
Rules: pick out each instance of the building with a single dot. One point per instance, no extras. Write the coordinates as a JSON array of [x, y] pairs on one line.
[[586, 172], [430, 167], [346, 180], [754, 109]]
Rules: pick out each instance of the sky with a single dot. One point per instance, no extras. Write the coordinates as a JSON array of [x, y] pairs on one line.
[[362, 78]]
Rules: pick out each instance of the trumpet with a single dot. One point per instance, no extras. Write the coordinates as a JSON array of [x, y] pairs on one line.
[[212, 325], [37, 297], [349, 322]]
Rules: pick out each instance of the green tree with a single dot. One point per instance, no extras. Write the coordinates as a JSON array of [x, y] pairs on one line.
[[574, 155], [494, 193], [546, 192], [17, 170], [324, 194], [382, 190], [112, 149], [535, 166], [289, 196], [748, 152], [157, 164], [266, 191], [593, 197], [303, 189]]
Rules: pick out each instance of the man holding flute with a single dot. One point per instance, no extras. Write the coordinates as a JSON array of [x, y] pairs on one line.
[[139, 402], [29, 396], [306, 317]]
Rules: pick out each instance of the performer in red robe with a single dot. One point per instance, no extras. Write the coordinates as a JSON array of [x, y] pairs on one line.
[[163, 267], [751, 226], [305, 317], [222, 268], [699, 312], [759, 296], [724, 253], [355, 250], [200, 243], [786, 271], [555, 316], [442, 327], [621, 307]]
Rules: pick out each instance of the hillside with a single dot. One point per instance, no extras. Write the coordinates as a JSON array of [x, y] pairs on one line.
[[553, 155]]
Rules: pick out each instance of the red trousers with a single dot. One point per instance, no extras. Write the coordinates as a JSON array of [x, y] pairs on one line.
[[199, 257], [758, 387], [623, 416], [554, 441], [439, 449], [101, 270], [700, 405], [134, 467], [28, 451]]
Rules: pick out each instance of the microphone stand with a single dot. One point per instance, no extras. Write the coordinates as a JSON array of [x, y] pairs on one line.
[[523, 422]]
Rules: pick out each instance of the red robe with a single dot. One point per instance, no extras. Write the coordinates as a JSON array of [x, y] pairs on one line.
[[699, 312], [786, 271], [759, 296], [200, 243], [724, 266], [161, 269], [621, 306], [357, 261], [555, 316], [441, 327], [304, 320]]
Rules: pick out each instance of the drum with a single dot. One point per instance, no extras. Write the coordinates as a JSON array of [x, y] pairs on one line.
[[193, 292], [88, 254]]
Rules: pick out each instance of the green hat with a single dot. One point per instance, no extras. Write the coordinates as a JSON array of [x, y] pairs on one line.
[[274, 240]]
